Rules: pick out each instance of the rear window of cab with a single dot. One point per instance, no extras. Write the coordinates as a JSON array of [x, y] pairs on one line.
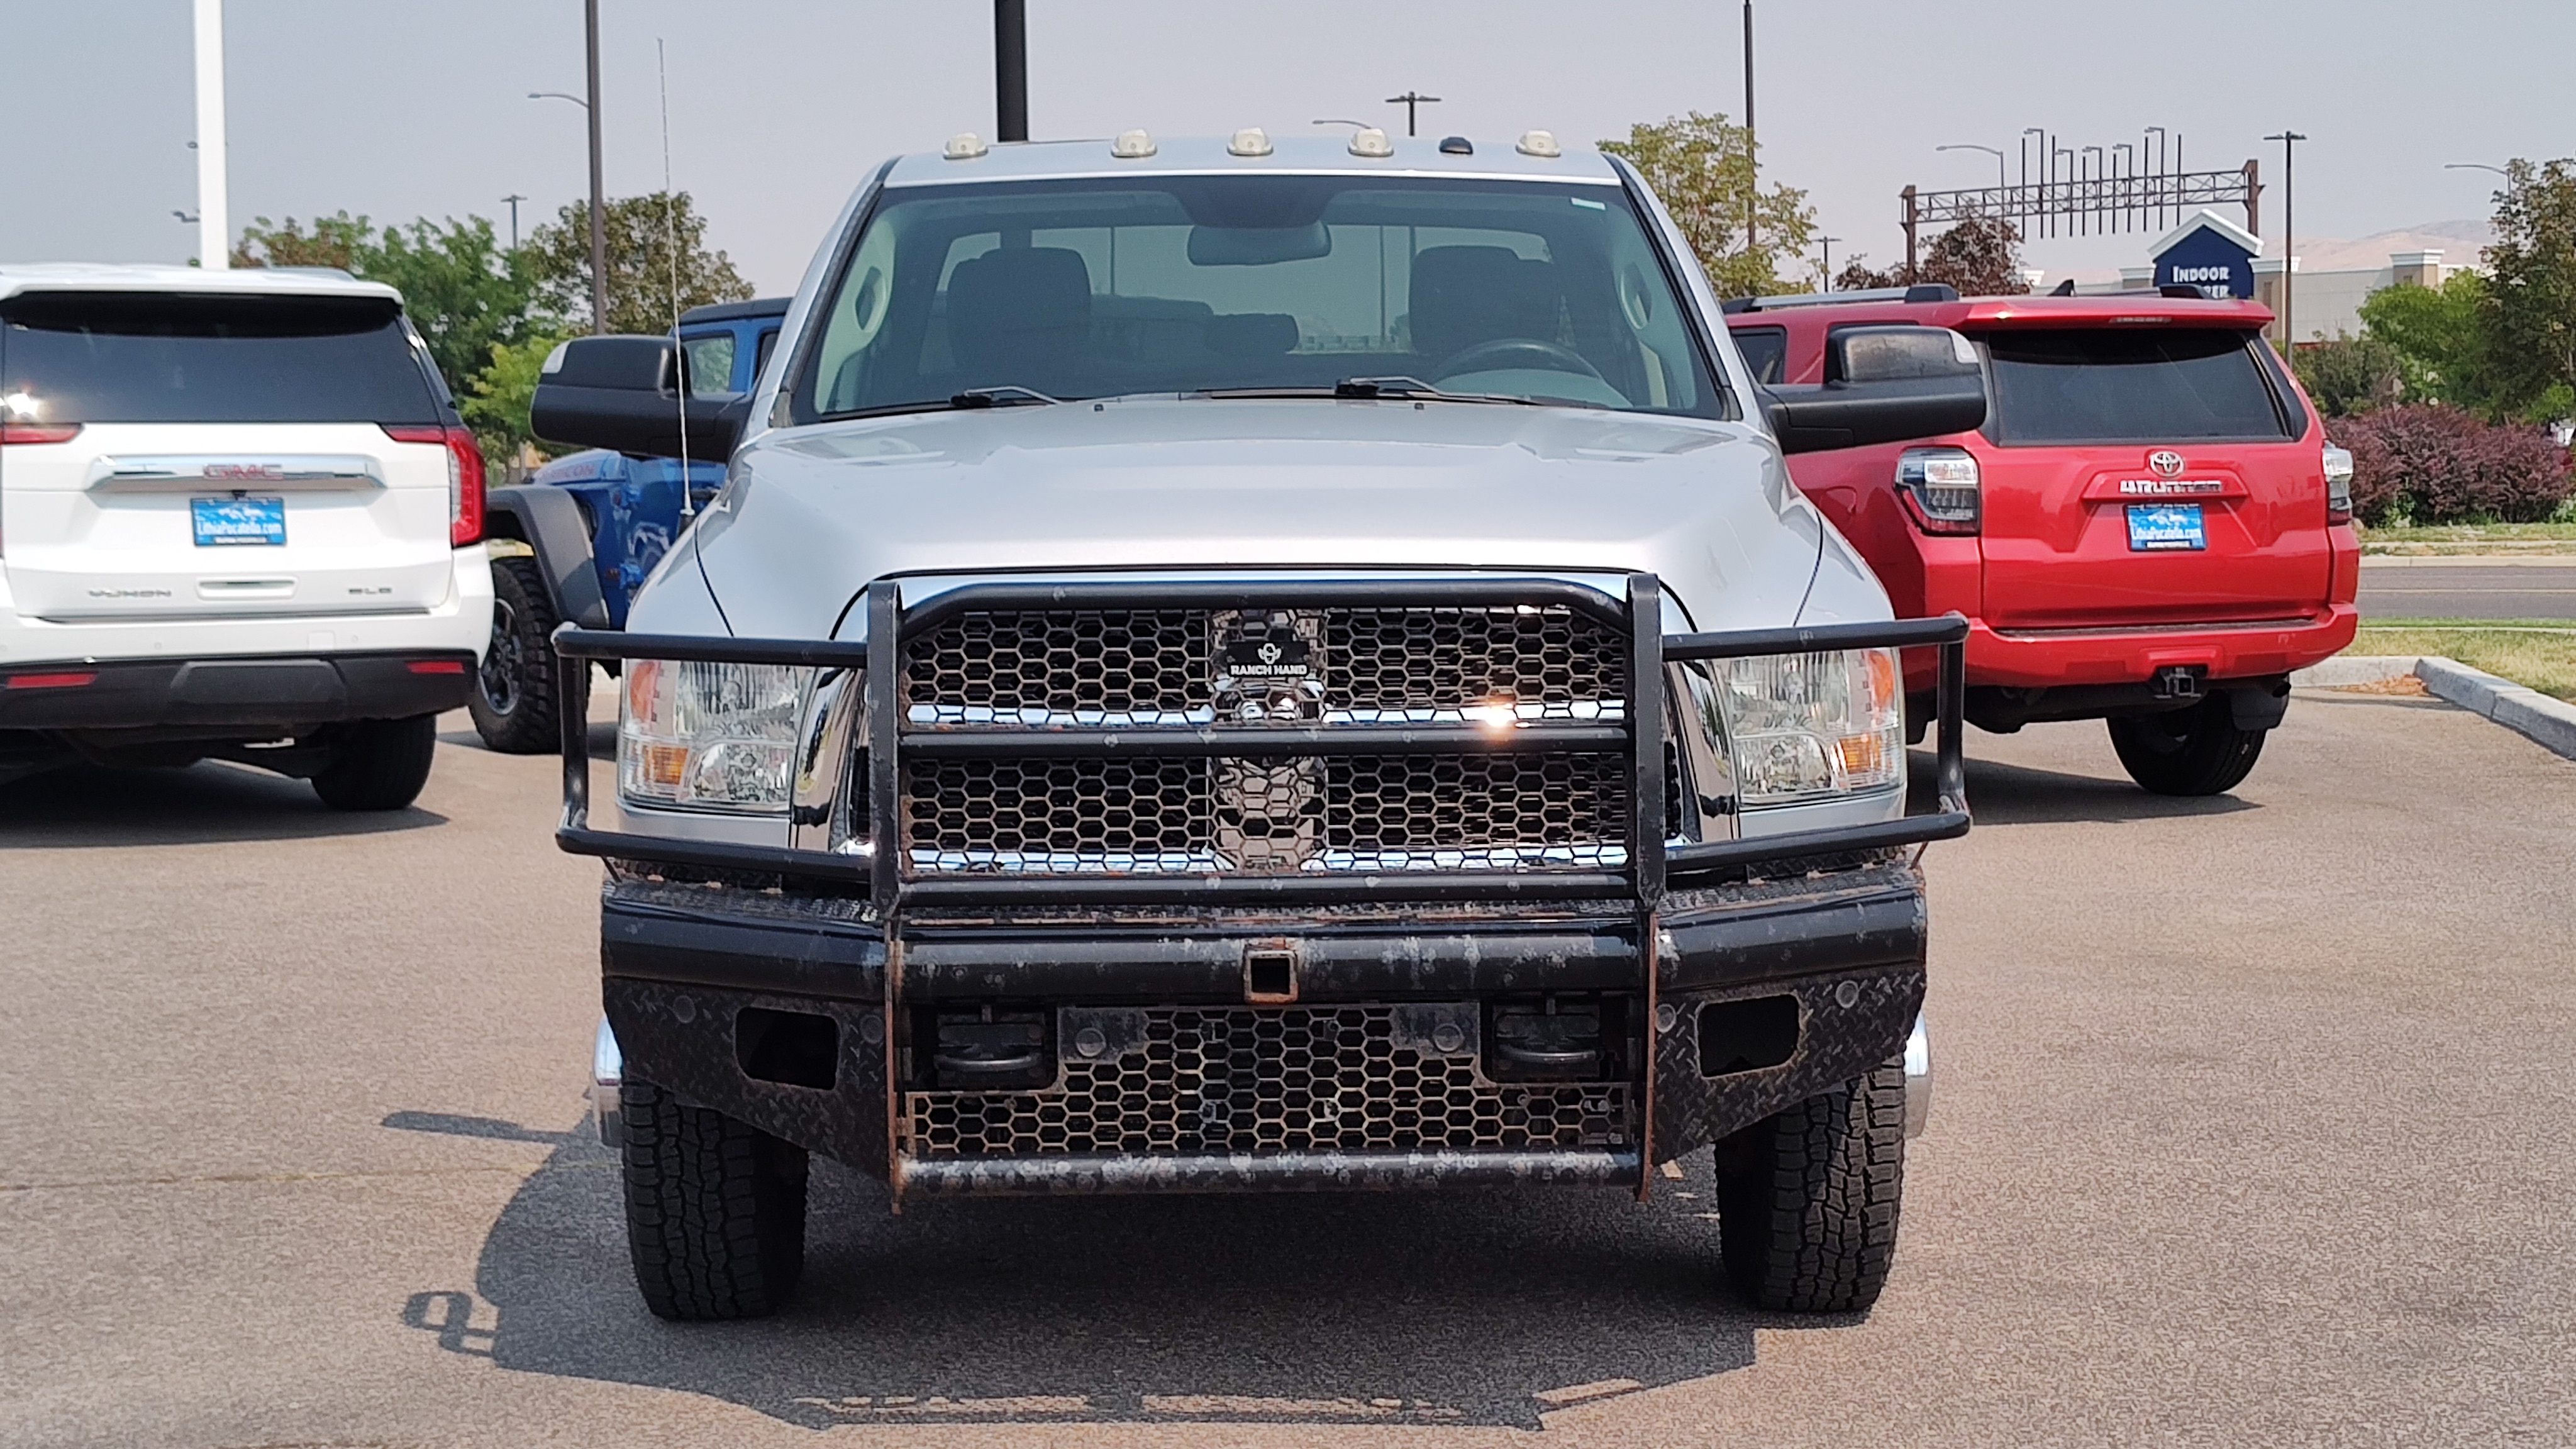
[[2136, 384]]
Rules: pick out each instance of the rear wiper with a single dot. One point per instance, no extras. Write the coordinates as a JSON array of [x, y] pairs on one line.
[[1008, 395]]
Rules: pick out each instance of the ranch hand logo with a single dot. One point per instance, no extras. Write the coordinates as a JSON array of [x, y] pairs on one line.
[[1266, 658]]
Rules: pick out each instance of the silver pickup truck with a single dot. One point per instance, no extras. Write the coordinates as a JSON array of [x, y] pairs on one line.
[[1224, 666]]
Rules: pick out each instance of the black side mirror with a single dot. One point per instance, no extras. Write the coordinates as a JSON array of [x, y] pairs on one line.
[[1882, 385], [624, 393]]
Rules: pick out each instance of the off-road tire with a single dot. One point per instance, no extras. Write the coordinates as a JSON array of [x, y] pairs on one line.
[[1807, 1198], [715, 1209], [378, 764], [513, 699], [2195, 751]]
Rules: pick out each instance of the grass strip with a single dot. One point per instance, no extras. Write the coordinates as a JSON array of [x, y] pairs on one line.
[[2540, 653]]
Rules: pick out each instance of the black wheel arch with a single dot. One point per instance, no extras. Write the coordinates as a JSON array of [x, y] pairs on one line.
[[549, 521]]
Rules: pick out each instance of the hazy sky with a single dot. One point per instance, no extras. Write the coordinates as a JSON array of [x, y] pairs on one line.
[[778, 107]]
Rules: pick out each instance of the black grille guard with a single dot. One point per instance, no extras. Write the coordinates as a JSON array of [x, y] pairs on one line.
[[1652, 863]]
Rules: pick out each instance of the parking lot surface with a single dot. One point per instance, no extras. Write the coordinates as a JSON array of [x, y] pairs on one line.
[[2249, 1128], [2467, 589]]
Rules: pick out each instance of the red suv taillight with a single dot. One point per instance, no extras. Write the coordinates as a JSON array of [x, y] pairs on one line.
[[464, 477], [1941, 488]]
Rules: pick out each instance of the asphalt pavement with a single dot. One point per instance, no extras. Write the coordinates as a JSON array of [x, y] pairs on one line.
[[2467, 588], [2249, 1128]]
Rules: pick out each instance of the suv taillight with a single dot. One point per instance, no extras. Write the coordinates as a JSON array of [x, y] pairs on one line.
[[2338, 484], [464, 477], [38, 432], [1941, 489]]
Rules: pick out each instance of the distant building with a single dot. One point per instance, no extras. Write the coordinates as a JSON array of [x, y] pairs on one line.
[[2225, 260]]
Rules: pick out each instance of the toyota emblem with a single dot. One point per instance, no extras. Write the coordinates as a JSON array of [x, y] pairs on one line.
[[2166, 462]]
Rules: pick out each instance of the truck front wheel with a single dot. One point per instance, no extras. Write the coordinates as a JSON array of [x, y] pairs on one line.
[[715, 1209], [2195, 751], [1807, 1198], [513, 702]]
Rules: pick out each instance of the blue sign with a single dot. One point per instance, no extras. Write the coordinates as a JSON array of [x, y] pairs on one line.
[[2208, 254]]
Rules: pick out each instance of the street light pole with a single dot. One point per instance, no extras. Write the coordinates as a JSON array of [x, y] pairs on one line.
[[1412, 101], [1829, 260], [1995, 151], [2289, 259], [1011, 70], [1752, 157], [214, 227], [598, 183], [513, 199]]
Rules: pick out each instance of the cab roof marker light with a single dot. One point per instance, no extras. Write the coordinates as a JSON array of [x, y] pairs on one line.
[[1132, 146], [964, 146], [1371, 143], [1541, 144], [1250, 141]]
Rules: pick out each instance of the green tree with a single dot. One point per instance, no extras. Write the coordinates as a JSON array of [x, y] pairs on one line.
[[496, 401], [2351, 375], [462, 289], [639, 231], [2528, 314], [1703, 168], [2438, 337], [1981, 257]]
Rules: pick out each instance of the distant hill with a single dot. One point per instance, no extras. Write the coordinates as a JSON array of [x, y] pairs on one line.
[[2459, 242]]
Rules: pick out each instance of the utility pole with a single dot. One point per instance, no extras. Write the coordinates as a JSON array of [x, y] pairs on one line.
[[598, 184], [1829, 260], [1412, 101], [514, 199], [1752, 159], [214, 227], [1011, 70], [2289, 140]]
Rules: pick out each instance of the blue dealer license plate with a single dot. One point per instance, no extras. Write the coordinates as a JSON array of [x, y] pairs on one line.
[[2159, 527], [222, 522]]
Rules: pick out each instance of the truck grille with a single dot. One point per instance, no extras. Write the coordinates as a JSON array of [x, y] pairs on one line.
[[1181, 668], [1195, 1080]]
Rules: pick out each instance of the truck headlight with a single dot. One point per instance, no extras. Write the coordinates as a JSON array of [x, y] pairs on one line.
[[703, 736], [1804, 726]]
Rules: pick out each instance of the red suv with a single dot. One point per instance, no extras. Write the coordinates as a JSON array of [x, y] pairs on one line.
[[2149, 529]]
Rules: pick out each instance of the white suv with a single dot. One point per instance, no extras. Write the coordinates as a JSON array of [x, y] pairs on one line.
[[239, 519]]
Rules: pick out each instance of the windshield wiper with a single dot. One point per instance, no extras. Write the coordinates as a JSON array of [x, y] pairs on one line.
[[1363, 389], [1008, 395]]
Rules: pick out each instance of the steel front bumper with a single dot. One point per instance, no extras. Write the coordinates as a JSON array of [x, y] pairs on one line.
[[683, 963]]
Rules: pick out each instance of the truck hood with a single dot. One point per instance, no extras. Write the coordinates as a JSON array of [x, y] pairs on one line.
[[812, 515]]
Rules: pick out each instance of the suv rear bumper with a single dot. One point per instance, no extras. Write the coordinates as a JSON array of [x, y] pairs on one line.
[[2050, 658], [1840, 954], [277, 694]]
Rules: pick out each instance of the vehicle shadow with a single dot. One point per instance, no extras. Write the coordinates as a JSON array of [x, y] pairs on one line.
[[87, 806], [603, 740], [1447, 1309], [2001, 794]]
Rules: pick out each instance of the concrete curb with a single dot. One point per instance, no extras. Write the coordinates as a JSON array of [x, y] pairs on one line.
[[2547, 722]]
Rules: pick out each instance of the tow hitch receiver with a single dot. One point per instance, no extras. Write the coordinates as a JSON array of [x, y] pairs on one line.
[[2182, 681]]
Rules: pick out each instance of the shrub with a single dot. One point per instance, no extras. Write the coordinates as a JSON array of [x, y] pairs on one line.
[[2438, 464]]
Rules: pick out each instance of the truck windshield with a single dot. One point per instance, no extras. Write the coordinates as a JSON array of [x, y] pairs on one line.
[[2130, 385], [160, 357], [1096, 288]]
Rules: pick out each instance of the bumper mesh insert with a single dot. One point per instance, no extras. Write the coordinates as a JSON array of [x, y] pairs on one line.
[[1196, 1080]]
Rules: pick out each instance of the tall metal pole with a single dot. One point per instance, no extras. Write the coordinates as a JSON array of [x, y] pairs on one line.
[[214, 226], [514, 199], [1752, 158], [2289, 140], [598, 183], [1011, 69]]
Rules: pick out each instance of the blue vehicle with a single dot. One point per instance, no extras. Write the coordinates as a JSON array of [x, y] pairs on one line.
[[575, 540]]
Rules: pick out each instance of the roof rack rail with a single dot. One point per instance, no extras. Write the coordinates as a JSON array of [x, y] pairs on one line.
[[1919, 292]]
